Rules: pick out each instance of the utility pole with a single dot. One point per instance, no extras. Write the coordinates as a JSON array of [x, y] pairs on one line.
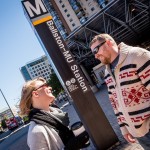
[[6, 102]]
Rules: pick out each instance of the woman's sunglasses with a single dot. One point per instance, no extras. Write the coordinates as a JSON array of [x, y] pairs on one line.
[[45, 84]]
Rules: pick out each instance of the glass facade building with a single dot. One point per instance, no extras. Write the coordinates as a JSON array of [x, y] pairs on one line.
[[39, 67], [78, 10], [25, 73], [56, 18], [71, 14]]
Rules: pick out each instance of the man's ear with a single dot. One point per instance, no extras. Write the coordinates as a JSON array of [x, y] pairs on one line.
[[35, 94], [109, 43]]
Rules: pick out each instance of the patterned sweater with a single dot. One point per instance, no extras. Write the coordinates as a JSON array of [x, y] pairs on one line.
[[129, 91]]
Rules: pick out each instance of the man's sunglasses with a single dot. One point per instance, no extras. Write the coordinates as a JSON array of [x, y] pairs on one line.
[[96, 49]]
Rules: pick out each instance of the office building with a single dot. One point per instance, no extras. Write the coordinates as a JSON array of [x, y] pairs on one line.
[[56, 18], [39, 67], [25, 73], [68, 15]]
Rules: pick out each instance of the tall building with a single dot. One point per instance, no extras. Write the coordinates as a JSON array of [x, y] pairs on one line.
[[56, 18], [68, 15], [71, 14], [25, 73], [39, 67]]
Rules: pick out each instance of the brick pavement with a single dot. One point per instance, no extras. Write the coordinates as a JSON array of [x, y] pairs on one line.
[[102, 98]]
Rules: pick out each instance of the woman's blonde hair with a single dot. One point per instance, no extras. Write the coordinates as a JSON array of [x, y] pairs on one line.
[[26, 95]]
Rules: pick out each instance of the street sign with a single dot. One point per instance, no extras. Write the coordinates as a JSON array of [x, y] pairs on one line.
[[85, 102]]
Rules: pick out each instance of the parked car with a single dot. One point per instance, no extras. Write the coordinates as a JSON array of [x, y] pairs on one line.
[[19, 120], [1, 129], [11, 123]]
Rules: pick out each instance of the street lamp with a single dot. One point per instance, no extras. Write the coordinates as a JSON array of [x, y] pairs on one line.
[[6, 102]]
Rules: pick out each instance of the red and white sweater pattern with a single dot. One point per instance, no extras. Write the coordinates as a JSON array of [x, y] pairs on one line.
[[129, 91]]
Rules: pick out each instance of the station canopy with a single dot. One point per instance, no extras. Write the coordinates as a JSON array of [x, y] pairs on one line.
[[125, 20]]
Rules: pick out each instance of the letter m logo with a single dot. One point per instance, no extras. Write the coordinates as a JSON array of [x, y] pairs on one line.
[[34, 8]]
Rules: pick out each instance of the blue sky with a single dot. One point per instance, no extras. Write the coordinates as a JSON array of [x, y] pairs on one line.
[[18, 45]]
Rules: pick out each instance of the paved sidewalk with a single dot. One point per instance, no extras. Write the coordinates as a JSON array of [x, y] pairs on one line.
[[103, 100]]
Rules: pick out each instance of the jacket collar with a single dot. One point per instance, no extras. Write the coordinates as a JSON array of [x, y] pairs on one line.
[[123, 52]]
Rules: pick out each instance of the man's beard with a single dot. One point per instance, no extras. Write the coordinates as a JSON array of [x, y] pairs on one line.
[[106, 61]]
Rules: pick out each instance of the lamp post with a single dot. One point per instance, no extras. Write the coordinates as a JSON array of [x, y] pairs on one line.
[[6, 102]]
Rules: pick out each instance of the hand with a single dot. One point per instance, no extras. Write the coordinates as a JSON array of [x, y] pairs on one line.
[[129, 138]]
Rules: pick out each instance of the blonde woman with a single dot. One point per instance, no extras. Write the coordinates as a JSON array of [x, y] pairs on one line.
[[48, 128]]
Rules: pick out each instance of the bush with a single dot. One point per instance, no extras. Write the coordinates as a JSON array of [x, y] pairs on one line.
[[55, 84], [3, 124]]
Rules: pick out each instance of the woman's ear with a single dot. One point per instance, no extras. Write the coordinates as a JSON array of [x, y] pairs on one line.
[[35, 94]]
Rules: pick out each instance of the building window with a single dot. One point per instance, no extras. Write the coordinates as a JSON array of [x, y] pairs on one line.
[[92, 9], [65, 10], [63, 6], [73, 24], [71, 20], [102, 74], [68, 15], [89, 4]]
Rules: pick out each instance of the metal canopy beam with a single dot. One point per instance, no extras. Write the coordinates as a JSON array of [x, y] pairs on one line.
[[121, 23], [125, 20]]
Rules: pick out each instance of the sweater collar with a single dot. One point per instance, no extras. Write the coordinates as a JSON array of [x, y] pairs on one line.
[[123, 52]]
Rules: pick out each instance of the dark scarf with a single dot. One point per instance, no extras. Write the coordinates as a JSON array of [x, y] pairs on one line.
[[43, 118]]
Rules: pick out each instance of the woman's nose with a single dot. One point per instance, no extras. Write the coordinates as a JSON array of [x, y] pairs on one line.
[[50, 88]]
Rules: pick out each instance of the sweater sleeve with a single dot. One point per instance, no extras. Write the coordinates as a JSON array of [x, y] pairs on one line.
[[143, 64], [119, 115], [36, 138]]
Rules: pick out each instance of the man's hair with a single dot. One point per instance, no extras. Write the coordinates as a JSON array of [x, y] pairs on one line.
[[26, 95], [101, 38]]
